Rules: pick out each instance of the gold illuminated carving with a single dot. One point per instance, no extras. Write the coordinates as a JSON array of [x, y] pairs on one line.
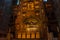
[[25, 4], [23, 35], [18, 27], [19, 35], [31, 29], [24, 14], [36, 2], [37, 35], [37, 14], [28, 24], [37, 6], [25, 0], [28, 35], [32, 24], [24, 8], [30, 6], [33, 35]]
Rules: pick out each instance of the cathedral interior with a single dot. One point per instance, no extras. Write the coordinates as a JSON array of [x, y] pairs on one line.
[[29, 20]]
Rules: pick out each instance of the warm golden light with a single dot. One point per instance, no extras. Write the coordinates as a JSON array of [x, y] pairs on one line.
[[24, 15], [29, 21], [23, 35], [25, 4], [28, 35], [37, 35], [19, 35], [36, 2], [31, 29], [30, 6], [37, 6], [32, 35], [37, 13], [24, 8]]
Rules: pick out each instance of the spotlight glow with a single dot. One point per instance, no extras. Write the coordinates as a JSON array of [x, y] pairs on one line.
[[45, 0], [18, 2]]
